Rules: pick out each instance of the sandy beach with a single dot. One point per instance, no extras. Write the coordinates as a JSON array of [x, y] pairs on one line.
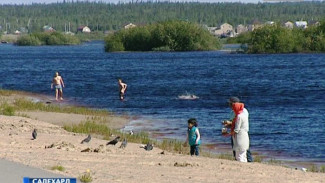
[[56, 147]]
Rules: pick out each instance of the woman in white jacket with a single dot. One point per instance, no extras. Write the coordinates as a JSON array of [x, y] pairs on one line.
[[239, 132]]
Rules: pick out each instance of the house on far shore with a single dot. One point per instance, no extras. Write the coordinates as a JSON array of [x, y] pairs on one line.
[[314, 23], [288, 25], [254, 25], [224, 30], [301, 24], [48, 28], [269, 23], [17, 32], [241, 29], [128, 26], [84, 29]]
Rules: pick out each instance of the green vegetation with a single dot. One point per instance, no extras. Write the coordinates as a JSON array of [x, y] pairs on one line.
[[27, 105], [8, 92], [277, 39], [97, 35], [101, 16], [322, 169], [86, 177], [313, 168], [258, 158], [6, 109], [58, 167], [166, 36], [54, 38]]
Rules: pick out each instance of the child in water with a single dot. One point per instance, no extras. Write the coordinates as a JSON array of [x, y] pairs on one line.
[[193, 137]]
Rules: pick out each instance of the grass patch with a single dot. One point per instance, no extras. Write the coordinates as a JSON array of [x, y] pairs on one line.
[[58, 167], [86, 177], [313, 168], [7, 92], [27, 105], [173, 145], [89, 127], [23, 115], [6, 109], [93, 127], [322, 169], [258, 158]]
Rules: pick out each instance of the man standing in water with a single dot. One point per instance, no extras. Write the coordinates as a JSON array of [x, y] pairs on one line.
[[122, 88], [58, 84], [228, 123]]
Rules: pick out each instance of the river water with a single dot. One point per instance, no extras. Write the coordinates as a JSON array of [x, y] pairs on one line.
[[284, 93]]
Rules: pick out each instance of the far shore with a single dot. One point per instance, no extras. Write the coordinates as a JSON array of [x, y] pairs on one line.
[[132, 164]]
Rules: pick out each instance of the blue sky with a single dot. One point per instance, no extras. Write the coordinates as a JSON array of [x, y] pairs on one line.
[[115, 1]]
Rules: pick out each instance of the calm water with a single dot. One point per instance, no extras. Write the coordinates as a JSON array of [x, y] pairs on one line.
[[283, 93]]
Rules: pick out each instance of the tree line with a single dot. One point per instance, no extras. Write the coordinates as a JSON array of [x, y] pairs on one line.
[[103, 16], [164, 36]]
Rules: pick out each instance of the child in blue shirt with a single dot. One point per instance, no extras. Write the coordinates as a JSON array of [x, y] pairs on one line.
[[193, 136]]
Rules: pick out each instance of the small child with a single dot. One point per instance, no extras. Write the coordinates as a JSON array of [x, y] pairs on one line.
[[193, 136]]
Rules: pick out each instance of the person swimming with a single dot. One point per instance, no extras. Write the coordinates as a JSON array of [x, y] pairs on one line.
[[188, 97]]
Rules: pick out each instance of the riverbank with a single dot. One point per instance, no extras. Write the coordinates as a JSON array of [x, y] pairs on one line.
[[56, 147]]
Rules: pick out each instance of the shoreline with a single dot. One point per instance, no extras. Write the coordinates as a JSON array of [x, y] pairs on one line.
[[123, 123]]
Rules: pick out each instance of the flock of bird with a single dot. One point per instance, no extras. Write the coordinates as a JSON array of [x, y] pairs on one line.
[[123, 145]]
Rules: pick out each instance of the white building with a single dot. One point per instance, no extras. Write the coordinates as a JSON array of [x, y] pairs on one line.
[[301, 24], [84, 29]]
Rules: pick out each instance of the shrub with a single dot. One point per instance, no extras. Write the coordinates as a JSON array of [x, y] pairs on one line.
[[28, 40], [58, 167], [54, 38], [170, 35]]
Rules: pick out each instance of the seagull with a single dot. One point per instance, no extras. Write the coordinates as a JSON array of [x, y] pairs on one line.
[[113, 142], [34, 134], [131, 132], [86, 139], [124, 143], [148, 147]]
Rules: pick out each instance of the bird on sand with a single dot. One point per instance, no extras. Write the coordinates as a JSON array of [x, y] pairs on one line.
[[131, 132], [86, 139], [113, 142], [148, 147], [124, 143], [34, 134]]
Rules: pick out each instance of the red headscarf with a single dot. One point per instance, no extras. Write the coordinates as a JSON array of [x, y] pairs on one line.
[[237, 108]]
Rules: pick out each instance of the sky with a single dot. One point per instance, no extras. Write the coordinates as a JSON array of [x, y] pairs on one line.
[[115, 1]]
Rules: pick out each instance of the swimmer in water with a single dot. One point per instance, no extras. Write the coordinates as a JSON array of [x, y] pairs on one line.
[[122, 88]]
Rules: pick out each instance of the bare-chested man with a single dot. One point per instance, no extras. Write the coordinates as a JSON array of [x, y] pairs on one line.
[[122, 87], [58, 84]]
